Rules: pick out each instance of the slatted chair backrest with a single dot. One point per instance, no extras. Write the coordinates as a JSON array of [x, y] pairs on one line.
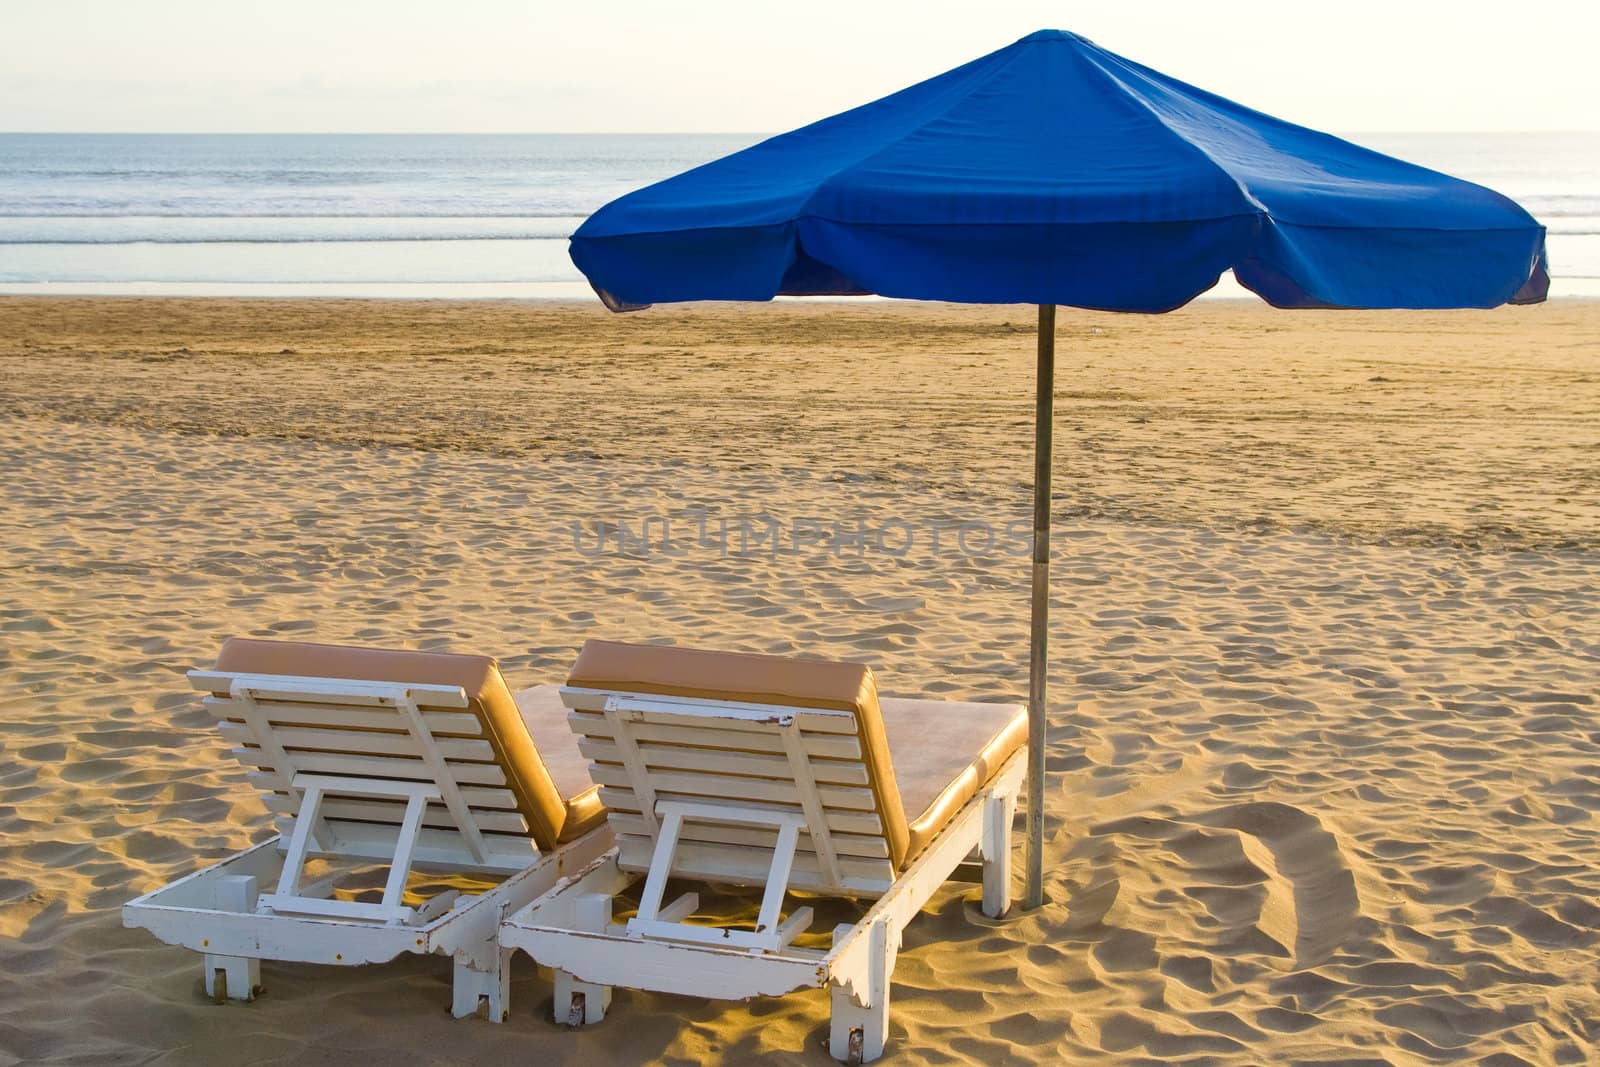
[[702, 756], [369, 733]]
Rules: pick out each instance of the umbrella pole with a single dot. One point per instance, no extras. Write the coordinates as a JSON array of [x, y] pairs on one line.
[[1039, 627]]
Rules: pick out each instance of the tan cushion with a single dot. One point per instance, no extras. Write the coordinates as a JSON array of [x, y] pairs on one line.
[[539, 800], [666, 670], [944, 752], [545, 716]]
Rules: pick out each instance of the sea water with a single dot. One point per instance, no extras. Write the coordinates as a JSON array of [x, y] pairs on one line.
[[475, 215]]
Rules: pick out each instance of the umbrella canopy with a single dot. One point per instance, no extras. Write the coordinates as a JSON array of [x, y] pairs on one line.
[[1056, 172]]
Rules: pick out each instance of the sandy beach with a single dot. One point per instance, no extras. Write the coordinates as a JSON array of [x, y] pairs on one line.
[[1324, 761]]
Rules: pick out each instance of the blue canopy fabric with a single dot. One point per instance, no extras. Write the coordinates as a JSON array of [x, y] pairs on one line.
[[1055, 172]]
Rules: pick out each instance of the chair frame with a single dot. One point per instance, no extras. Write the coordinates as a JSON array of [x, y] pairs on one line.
[[220, 911], [569, 928]]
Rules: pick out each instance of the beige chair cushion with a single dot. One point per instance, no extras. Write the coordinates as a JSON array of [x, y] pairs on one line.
[[968, 744], [944, 752], [553, 815], [545, 716]]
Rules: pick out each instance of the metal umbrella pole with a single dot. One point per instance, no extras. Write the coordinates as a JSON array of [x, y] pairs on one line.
[[1039, 627]]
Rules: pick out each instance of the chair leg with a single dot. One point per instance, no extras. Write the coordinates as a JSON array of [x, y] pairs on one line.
[[998, 811], [857, 1034], [581, 1003], [860, 1025], [233, 977], [479, 980]]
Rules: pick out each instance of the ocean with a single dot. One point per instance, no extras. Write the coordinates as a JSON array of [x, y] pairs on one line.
[[472, 215]]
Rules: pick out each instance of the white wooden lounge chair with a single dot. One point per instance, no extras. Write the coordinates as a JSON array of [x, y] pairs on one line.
[[759, 770], [373, 757]]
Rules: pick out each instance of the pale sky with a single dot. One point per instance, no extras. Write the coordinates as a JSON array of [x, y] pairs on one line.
[[754, 66]]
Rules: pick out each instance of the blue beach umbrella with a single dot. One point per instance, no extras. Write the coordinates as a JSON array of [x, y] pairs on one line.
[[1055, 172]]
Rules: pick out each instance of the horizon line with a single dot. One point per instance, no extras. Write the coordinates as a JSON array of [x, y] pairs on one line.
[[607, 133]]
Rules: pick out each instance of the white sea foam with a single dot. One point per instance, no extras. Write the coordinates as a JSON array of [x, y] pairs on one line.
[[278, 229], [432, 214]]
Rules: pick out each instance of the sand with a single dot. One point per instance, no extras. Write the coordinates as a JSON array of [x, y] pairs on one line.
[[1324, 765]]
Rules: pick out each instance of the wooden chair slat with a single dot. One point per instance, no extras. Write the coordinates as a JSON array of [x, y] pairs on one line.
[[725, 761], [335, 690], [301, 738], [505, 822], [375, 767], [620, 800], [809, 719], [822, 746], [271, 783], [864, 846], [331, 716], [690, 784]]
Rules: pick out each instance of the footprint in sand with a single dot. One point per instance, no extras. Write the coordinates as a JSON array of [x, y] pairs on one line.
[[1272, 881]]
